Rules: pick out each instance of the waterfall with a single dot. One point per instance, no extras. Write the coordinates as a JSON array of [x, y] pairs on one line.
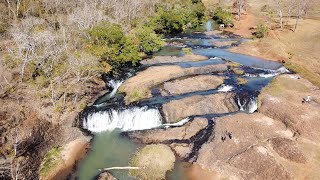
[[249, 105], [136, 118], [115, 84], [225, 88], [177, 124], [209, 26]]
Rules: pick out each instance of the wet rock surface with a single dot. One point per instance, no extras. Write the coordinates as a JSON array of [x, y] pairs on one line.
[[199, 105], [191, 84]]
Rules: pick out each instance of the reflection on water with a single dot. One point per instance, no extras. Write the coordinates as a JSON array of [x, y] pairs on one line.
[[108, 150]]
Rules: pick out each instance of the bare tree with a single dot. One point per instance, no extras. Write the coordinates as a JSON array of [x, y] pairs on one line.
[[302, 9], [279, 11], [239, 5]]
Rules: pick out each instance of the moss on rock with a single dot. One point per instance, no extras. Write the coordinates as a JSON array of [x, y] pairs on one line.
[[154, 160]]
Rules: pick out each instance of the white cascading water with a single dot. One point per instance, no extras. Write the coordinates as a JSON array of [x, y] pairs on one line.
[[115, 84], [136, 118], [271, 73], [225, 88], [250, 106], [180, 123]]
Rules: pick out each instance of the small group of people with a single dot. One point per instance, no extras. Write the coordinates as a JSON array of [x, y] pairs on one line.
[[225, 134]]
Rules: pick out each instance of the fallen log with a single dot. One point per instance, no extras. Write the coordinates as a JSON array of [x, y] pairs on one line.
[[119, 168]]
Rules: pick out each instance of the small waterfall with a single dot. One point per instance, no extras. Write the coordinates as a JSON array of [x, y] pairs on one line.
[[136, 118], [225, 88], [209, 26], [115, 84], [177, 124], [249, 105]]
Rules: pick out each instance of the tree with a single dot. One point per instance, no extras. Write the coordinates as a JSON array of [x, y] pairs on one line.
[[279, 10], [239, 5]]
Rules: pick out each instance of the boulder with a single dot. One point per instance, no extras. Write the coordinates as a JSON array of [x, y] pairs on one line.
[[106, 176], [200, 105], [191, 84]]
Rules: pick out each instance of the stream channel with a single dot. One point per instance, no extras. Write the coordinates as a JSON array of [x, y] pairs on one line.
[[109, 116]]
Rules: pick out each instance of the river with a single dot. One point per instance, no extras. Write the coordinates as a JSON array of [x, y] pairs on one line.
[[108, 117]]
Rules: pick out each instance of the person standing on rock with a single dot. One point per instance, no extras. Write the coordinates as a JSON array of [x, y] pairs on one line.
[[224, 137], [230, 135]]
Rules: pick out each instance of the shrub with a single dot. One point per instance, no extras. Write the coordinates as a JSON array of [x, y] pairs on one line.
[[118, 55], [106, 34], [177, 17], [151, 159], [262, 31], [187, 51], [50, 161], [148, 40], [222, 16]]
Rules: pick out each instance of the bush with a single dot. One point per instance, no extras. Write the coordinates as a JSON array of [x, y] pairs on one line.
[[177, 17], [50, 161], [222, 16], [155, 160], [148, 40], [106, 34], [118, 55], [262, 31]]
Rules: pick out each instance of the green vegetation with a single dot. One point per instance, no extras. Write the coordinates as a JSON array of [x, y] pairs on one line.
[[177, 17], [148, 40], [155, 161], [222, 16], [50, 161], [187, 51], [262, 31]]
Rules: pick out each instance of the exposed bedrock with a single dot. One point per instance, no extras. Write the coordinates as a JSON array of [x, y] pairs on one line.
[[191, 84], [184, 140], [200, 105], [173, 59], [261, 148], [283, 99], [138, 87]]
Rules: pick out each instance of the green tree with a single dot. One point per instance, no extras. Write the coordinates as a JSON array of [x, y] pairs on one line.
[[148, 40]]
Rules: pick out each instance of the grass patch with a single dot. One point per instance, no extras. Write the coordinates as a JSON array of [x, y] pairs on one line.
[[187, 51], [242, 80], [136, 95], [280, 84], [155, 161], [238, 71], [50, 161], [304, 72]]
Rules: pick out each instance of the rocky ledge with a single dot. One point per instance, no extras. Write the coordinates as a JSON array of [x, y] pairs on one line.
[[138, 87], [191, 84], [173, 59], [199, 105]]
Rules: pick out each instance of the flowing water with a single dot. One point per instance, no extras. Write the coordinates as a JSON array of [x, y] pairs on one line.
[[108, 117]]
